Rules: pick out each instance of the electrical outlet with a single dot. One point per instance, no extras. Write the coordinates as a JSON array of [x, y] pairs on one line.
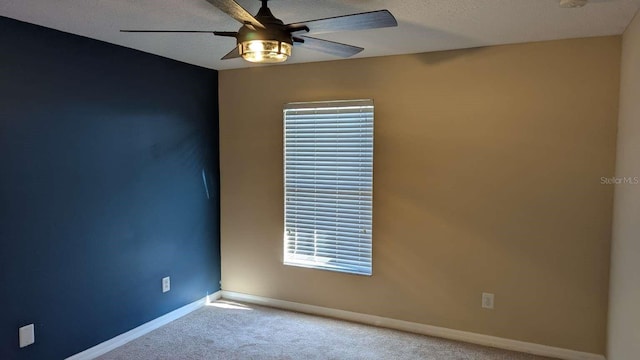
[[487, 300], [166, 284], [27, 335]]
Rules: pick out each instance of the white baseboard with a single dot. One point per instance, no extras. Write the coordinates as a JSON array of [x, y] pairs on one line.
[[143, 329], [486, 340]]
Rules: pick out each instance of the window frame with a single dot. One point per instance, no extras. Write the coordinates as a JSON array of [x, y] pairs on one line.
[[352, 243]]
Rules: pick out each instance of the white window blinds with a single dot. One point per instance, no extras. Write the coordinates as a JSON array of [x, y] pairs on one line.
[[328, 160]]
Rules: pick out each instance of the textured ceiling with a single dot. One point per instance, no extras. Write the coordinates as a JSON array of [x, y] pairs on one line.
[[424, 25]]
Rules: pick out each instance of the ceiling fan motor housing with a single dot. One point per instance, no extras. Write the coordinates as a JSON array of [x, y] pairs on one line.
[[274, 29]]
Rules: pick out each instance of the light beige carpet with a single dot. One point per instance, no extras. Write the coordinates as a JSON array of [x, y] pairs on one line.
[[229, 331]]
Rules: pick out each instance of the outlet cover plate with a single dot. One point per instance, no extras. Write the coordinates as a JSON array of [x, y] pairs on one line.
[[166, 284], [27, 335], [487, 300]]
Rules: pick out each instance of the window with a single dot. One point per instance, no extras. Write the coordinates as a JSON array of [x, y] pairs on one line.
[[328, 186]]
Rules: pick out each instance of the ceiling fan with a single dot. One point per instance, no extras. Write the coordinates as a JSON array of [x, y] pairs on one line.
[[263, 38]]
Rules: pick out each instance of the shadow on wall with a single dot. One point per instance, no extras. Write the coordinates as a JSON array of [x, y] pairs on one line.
[[438, 57]]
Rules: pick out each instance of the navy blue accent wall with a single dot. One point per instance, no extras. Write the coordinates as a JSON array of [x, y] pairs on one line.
[[102, 152]]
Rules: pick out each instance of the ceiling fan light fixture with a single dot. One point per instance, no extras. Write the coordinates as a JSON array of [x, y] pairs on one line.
[[265, 51]]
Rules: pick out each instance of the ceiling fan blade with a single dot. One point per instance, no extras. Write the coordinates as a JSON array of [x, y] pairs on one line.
[[232, 54], [217, 33], [233, 9], [361, 21], [226, 33], [329, 47], [169, 31]]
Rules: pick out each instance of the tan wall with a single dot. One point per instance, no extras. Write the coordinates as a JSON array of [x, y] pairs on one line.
[[487, 178], [624, 307]]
